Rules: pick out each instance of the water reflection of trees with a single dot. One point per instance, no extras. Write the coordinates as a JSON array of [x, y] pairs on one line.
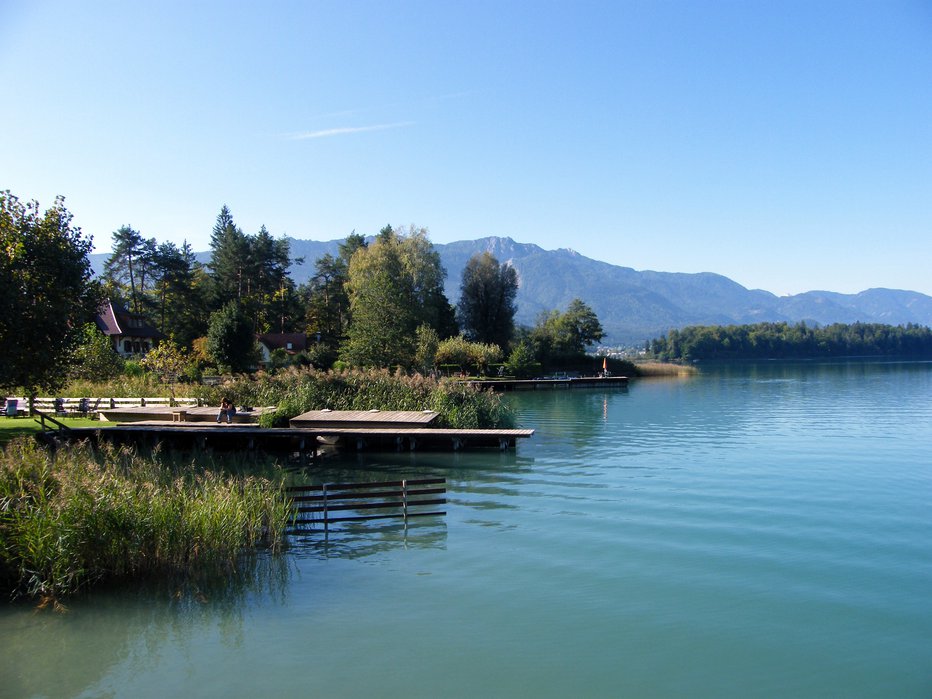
[[572, 416], [52, 654]]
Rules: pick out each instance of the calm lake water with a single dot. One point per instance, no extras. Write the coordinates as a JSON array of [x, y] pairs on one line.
[[756, 531]]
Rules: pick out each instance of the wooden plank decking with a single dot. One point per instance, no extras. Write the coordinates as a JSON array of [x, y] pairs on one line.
[[364, 418]]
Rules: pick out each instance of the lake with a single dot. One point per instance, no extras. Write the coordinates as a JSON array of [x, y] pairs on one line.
[[759, 530]]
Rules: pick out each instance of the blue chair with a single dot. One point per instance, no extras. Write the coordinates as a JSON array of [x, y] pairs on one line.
[[12, 407]]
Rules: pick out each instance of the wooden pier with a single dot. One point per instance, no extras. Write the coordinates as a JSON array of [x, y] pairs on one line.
[[547, 384], [306, 442]]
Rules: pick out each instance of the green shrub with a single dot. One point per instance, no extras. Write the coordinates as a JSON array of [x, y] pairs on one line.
[[133, 369]]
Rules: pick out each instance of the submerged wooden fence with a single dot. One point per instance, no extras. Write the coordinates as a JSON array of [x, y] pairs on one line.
[[355, 502]]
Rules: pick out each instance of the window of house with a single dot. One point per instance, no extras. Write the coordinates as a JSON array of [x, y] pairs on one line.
[[127, 346]]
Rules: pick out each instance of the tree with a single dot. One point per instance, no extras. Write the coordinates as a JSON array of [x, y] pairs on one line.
[[46, 293], [521, 362], [167, 361], [253, 270], [94, 358], [268, 287], [230, 340], [384, 323], [422, 264], [229, 259], [425, 355], [565, 336], [487, 300], [180, 286], [124, 269], [394, 286], [579, 328], [326, 300]]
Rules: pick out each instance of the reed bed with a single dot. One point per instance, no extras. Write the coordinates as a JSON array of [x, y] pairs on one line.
[[656, 369], [125, 386], [297, 390], [75, 516]]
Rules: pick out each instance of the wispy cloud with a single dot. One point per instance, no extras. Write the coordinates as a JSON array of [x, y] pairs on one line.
[[341, 131]]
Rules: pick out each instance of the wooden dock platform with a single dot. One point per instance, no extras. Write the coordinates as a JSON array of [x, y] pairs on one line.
[[551, 383], [364, 418]]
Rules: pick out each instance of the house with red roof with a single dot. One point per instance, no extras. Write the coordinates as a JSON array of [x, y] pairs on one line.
[[292, 343], [130, 333]]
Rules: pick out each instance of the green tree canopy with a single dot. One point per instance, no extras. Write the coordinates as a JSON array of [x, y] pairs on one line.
[[180, 287], [253, 270], [46, 293], [127, 270], [487, 300], [168, 361], [565, 335], [95, 358], [230, 339], [394, 286]]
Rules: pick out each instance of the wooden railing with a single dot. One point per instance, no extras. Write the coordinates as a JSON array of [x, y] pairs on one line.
[[84, 405], [354, 502], [42, 418]]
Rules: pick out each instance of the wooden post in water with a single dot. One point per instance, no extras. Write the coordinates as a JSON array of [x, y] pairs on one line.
[[325, 509], [404, 501]]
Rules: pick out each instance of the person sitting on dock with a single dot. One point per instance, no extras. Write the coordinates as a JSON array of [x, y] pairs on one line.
[[226, 408]]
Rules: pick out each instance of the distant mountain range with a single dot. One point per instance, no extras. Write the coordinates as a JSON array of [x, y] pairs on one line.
[[635, 306]]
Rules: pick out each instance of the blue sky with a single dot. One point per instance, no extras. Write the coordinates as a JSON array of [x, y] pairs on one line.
[[786, 145]]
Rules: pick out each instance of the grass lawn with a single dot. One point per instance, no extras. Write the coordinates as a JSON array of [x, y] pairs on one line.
[[11, 427]]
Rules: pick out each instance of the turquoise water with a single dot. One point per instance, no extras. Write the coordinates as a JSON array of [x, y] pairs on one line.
[[756, 531]]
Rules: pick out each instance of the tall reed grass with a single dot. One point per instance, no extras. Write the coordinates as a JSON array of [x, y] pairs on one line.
[[656, 369], [124, 386], [76, 516], [297, 390]]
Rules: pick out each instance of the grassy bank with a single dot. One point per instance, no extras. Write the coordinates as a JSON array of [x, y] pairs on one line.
[[10, 428], [76, 517]]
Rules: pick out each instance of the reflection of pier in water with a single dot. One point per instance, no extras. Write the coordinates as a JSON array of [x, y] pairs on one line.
[[479, 485]]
